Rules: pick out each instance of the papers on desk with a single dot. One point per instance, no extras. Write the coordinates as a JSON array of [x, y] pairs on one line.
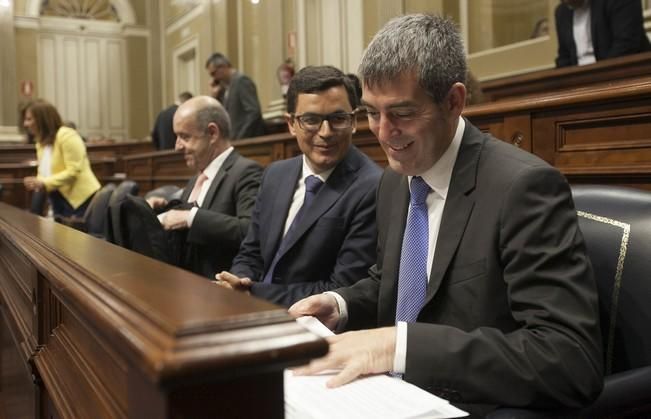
[[378, 396]]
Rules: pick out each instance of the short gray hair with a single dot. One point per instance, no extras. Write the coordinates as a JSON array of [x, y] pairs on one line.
[[428, 45], [213, 111]]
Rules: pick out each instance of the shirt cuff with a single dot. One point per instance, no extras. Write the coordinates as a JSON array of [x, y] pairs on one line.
[[343, 311], [191, 215], [400, 357]]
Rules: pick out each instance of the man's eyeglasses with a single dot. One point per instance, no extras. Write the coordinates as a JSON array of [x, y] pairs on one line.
[[311, 122]]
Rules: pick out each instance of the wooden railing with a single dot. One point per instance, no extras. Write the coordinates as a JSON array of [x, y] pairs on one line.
[[598, 134], [559, 79], [91, 330]]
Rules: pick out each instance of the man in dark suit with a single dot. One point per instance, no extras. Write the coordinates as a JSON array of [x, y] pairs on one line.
[[163, 135], [482, 290], [297, 248], [594, 30], [217, 203], [239, 96]]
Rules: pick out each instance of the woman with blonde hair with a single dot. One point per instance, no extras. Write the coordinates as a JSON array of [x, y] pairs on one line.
[[64, 171]]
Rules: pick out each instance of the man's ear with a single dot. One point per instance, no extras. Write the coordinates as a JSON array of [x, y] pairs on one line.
[[214, 132], [290, 124], [456, 99]]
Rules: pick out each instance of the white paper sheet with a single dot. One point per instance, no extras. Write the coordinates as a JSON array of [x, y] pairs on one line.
[[377, 396]]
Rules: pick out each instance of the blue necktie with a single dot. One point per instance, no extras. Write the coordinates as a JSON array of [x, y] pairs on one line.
[[312, 186], [412, 278]]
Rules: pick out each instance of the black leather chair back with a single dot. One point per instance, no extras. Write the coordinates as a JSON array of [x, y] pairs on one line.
[[616, 224], [140, 231], [165, 191], [125, 188], [97, 213]]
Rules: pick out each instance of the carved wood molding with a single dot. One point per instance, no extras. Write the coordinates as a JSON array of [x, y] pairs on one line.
[[106, 315]]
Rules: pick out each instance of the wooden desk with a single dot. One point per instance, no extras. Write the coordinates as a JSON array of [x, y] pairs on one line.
[[12, 174], [20, 153], [599, 135], [565, 78], [86, 337]]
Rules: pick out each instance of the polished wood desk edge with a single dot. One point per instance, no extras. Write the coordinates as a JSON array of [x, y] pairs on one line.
[[255, 334], [563, 72], [618, 90]]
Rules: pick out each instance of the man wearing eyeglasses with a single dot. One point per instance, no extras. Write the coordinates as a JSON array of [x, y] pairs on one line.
[[313, 227]]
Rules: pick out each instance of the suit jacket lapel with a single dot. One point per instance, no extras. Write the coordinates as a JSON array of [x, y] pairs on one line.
[[188, 188], [458, 206], [392, 248], [219, 178], [283, 194], [338, 182]]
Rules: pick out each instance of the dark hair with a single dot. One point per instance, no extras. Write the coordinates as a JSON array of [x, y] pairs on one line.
[[47, 120], [354, 80], [183, 96], [426, 45], [314, 79], [218, 59]]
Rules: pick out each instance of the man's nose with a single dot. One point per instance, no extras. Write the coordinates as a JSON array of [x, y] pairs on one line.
[[325, 130]]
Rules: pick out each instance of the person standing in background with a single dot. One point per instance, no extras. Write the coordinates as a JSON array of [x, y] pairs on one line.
[[163, 135], [64, 170], [594, 30], [239, 96]]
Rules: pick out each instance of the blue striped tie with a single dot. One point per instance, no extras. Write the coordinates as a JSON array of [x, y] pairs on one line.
[[412, 278]]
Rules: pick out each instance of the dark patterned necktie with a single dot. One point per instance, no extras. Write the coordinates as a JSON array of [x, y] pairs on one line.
[[312, 186]]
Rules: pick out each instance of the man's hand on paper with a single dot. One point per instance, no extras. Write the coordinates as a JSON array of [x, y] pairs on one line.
[[322, 306], [175, 219], [234, 282], [355, 353]]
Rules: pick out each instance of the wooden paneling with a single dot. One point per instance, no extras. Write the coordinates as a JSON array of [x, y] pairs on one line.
[[132, 339], [595, 135], [599, 135], [559, 79]]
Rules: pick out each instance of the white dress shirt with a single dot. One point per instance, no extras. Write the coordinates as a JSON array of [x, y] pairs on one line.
[[45, 165], [210, 171], [581, 28], [438, 178]]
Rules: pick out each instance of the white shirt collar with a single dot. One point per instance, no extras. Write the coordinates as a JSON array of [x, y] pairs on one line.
[[213, 167], [307, 171], [438, 176]]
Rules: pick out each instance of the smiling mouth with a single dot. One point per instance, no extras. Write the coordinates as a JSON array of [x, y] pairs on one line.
[[400, 147]]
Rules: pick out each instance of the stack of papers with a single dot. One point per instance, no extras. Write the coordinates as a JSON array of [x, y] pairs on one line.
[[377, 396]]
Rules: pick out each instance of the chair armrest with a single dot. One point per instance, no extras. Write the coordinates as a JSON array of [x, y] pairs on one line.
[[627, 390]]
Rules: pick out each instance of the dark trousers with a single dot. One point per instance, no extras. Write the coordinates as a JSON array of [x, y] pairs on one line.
[[62, 208]]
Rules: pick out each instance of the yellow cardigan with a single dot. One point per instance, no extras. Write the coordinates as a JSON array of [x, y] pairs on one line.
[[71, 172]]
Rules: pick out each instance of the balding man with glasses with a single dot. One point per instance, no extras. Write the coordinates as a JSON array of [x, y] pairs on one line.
[[313, 227]]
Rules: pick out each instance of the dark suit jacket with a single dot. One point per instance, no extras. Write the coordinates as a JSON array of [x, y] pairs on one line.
[[163, 135], [511, 314], [243, 107], [617, 29], [334, 244], [223, 219]]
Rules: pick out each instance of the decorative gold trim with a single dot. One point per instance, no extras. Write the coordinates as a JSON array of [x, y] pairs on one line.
[[623, 247]]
